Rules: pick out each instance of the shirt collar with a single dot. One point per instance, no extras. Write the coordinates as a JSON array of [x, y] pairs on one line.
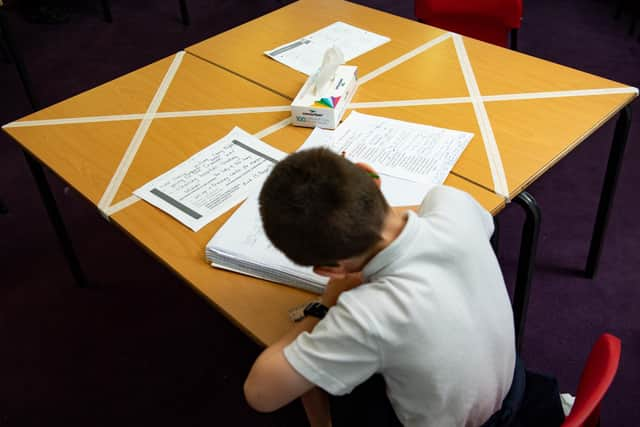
[[388, 255]]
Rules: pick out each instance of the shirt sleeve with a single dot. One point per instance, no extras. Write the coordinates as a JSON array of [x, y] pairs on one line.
[[338, 354], [458, 205]]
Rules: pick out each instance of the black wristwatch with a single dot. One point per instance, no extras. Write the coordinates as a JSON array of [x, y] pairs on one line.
[[315, 309]]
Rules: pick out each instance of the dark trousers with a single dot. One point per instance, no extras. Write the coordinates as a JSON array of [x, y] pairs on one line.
[[532, 401], [541, 404]]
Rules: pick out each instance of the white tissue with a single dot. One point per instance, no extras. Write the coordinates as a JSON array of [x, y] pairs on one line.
[[333, 57]]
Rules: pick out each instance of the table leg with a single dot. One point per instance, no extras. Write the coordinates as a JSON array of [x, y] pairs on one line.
[[184, 12], [526, 262], [608, 189], [4, 49], [17, 58], [106, 11], [56, 220]]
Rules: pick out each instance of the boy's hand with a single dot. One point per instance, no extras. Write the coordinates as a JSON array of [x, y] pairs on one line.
[[337, 286]]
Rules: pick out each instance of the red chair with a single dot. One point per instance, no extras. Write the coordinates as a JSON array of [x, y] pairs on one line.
[[487, 20], [597, 375]]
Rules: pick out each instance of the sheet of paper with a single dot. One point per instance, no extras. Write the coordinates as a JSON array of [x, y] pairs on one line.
[[305, 54], [410, 151], [397, 191], [212, 181], [401, 192], [318, 138]]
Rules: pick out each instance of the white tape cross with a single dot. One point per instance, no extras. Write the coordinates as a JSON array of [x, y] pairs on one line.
[[136, 141], [493, 154]]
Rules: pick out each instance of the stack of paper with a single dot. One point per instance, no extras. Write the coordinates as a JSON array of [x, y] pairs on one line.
[[242, 246]]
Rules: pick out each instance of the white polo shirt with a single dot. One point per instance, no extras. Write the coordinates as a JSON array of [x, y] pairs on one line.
[[433, 317]]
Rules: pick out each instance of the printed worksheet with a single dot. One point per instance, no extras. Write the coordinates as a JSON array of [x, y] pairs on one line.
[[359, 138], [405, 150], [305, 55], [212, 181]]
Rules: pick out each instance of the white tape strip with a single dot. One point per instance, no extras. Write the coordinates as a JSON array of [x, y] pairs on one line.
[[163, 115], [224, 111], [74, 120], [279, 108], [273, 128], [389, 65], [121, 205], [129, 155], [493, 154], [492, 98], [410, 102], [561, 94]]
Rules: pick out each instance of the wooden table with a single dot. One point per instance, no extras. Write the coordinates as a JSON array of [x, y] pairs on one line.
[[87, 140], [130, 131], [526, 113]]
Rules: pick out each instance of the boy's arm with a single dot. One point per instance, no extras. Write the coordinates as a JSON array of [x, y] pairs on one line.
[[272, 381], [316, 406]]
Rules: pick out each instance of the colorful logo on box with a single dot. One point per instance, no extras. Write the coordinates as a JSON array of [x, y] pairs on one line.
[[329, 102]]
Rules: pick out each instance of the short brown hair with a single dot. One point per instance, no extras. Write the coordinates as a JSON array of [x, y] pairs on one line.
[[319, 208]]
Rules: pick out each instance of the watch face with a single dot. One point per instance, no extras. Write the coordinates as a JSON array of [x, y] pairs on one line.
[[316, 309]]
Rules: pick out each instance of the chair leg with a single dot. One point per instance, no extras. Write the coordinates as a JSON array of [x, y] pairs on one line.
[[106, 11], [526, 263], [184, 12], [15, 55]]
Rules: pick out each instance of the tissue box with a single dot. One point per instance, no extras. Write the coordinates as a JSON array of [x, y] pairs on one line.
[[325, 109]]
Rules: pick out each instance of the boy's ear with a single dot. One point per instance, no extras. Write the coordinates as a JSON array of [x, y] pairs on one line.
[[371, 171], [334, 271]]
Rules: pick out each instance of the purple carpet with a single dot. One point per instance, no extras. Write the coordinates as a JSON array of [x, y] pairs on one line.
[[139, 347]]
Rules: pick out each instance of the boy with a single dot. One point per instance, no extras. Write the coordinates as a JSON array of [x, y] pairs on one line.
[[418, 298]]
